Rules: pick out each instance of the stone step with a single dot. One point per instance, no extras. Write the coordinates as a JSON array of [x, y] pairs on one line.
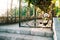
[[28, 31], [9, 36]]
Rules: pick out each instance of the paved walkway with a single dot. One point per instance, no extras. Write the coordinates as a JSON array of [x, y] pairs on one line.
[[8, 36], [29, 31], [14, 32]]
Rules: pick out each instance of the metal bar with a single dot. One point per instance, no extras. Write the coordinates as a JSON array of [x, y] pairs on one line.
[[19, 13], [35, 17]]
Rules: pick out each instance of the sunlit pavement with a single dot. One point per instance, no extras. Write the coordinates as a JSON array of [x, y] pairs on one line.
[[14, 32], [39, 23]]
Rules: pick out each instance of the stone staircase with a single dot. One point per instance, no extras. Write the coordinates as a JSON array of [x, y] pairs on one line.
[[11, 33]]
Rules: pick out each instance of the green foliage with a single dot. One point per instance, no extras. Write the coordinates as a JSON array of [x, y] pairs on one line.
[[27, 1], [42, 4], [15, 12], [58, 12], [31, 11], [23, 11], [59, 18]]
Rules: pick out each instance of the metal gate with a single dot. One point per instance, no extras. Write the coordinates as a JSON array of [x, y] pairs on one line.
[[28, 15]]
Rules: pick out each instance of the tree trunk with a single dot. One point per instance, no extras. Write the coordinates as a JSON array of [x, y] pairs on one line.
[[15, 13], [11, 10], [7, 13], [11, 6], [28, 9]]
